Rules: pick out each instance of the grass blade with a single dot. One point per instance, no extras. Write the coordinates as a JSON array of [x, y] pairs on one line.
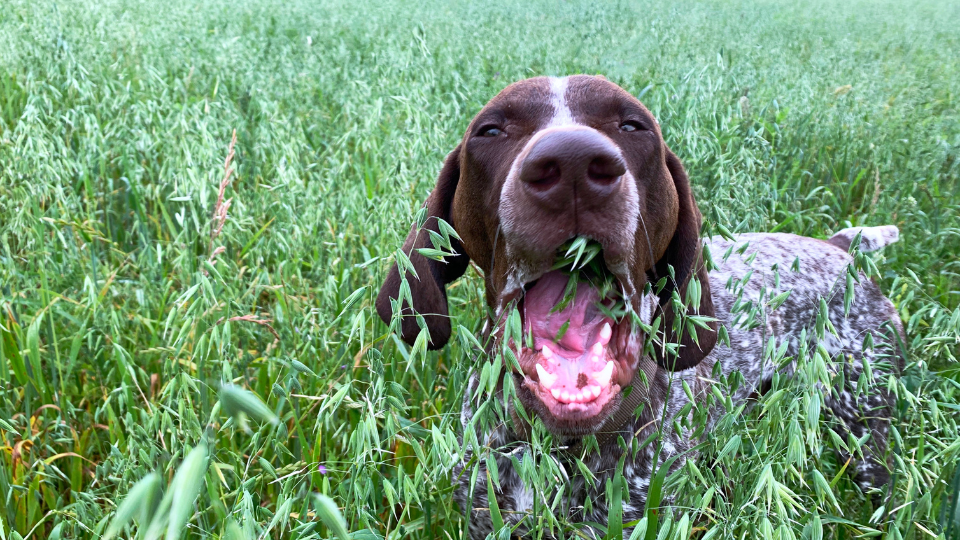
[[330, 515]]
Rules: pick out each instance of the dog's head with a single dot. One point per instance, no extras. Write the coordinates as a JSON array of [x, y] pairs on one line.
[[546, 161]]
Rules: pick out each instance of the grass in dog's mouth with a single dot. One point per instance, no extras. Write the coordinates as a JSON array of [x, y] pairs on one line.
[[582, 260]]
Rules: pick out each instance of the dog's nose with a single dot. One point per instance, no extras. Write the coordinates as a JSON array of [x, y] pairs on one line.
[[564, 162]]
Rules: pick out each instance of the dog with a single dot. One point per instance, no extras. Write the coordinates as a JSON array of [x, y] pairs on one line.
[[549, 160]]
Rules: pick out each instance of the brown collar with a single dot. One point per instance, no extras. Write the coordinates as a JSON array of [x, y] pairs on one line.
[[614, 424]]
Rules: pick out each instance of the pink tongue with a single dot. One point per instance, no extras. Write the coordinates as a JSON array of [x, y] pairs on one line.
[[585, 319]]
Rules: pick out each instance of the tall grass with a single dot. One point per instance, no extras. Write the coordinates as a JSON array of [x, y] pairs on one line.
[[122, 314]]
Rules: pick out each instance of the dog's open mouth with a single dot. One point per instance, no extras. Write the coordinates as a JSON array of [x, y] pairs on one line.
[[579, 349]]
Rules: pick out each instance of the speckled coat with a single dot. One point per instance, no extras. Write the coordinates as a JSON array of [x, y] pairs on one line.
[[821, 273]]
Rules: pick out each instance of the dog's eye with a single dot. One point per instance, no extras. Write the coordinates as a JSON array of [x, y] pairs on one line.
[[630, 125], [489, 131]]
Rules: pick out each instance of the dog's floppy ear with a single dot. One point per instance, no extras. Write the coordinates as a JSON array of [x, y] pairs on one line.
[[429, 292], [684, 255]]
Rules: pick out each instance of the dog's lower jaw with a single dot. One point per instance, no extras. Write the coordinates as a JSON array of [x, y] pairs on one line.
[[571, 426]]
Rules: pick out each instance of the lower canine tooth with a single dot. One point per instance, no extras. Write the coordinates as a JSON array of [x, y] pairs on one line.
[[546, 379], [603, 376]]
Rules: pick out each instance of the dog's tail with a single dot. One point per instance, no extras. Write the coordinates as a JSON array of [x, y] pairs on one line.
[[871, 238]]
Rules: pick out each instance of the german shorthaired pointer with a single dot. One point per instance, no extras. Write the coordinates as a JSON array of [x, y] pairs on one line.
[[553, 159]]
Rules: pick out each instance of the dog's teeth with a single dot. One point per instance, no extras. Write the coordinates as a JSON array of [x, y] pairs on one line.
[[565, 397], [597, 349], [556, 393], [603, 376], [546, 379], [605, 333], [548, 354], [594, 391]]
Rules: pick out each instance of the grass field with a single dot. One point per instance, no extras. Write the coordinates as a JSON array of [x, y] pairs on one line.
[[123, 310]]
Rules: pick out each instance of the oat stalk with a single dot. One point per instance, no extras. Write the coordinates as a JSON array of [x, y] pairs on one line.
[[222, 206]]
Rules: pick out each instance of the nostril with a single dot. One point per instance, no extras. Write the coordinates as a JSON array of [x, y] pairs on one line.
[[605, 170], [541, 175]]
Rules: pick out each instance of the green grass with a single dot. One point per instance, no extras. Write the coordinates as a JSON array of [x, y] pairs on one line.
[[116, 331]]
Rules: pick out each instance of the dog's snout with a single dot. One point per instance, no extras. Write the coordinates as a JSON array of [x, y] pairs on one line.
[[564, 162]]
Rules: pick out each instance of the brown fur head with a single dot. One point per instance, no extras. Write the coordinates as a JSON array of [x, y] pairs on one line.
[[545, 161]]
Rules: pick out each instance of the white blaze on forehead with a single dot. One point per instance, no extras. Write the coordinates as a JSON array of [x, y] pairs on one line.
[[558, 98]]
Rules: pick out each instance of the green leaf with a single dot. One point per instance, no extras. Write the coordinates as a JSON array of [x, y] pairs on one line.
[[366, 534], [140, 503], [615, 509], [778, 300], [301, 368], [240, 403], [639, 530], [351, 301], [434, 254], [405, 265], [655, 494], [447, 230], [266, 466], [330, 515], [822, 486], [420, 218], [728, 449], [184, 490], [495, 517], [419, 349], [562, 331], [232, 531]]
